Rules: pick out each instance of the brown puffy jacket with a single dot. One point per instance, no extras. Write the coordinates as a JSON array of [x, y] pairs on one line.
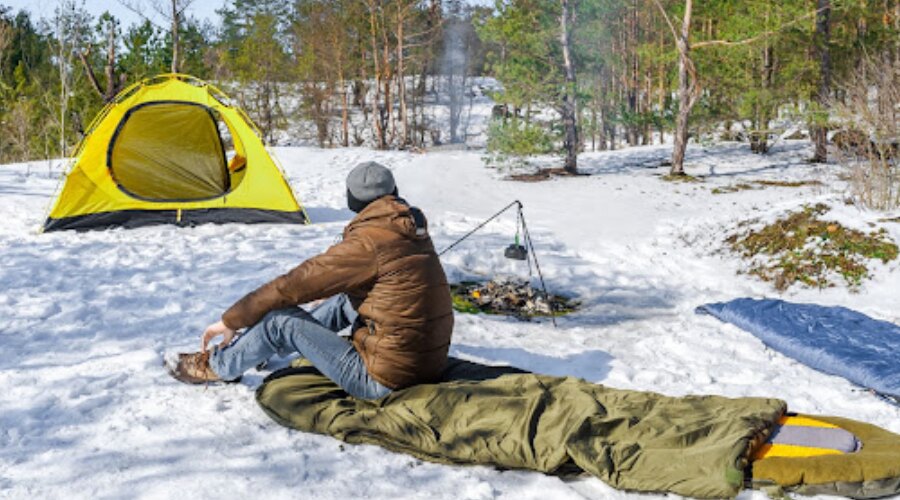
[[387, 265]]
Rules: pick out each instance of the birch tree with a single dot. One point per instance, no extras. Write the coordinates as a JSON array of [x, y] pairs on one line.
[[70, 25]]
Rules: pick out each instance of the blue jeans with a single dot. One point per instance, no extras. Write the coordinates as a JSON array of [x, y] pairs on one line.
[[311, 334]]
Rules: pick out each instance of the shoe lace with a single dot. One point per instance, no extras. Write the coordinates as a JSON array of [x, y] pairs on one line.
[[203, 359], [197, 363]]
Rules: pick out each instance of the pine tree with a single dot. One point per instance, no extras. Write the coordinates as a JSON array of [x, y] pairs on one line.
[[145, 52], [253, 37], [530, 53]]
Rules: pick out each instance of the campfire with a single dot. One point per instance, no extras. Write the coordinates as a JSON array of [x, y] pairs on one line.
[[509, 296]]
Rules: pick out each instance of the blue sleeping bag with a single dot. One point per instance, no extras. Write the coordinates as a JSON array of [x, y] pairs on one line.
[[835, 340]]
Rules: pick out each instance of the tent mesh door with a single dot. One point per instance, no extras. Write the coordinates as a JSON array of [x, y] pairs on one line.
[[169, 151]]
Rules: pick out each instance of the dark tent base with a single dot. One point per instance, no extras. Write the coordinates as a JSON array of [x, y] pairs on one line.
[[137, 218]]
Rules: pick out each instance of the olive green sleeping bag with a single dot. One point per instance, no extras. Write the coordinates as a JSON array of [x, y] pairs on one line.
[[695, 445]]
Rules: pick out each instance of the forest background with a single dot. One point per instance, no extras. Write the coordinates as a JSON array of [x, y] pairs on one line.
[[568, 75]]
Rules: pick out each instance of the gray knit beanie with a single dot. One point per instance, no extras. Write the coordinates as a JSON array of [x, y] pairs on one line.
[[366, 183]]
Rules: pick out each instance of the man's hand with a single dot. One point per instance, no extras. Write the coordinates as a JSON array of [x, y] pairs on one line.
[[213, 331]]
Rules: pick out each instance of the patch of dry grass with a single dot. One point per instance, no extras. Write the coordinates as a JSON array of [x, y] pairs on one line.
[[544, 174], [733, 188], [680, 178], [748, 186], [802, 248], [792, 184]]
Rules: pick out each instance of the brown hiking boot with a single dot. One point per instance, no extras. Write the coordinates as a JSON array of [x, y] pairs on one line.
[[193, 368]]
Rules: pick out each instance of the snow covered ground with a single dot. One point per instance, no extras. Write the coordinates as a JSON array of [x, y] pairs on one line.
[[87, 411]]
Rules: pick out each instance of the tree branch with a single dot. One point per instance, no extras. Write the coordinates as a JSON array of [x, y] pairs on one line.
[[185, 6], [133, 7], [90, 71], [668, 20], [765, 34]]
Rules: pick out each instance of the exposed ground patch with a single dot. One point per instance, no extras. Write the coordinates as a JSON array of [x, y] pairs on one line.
[[802, 248], [747, 186], [543, 174], [680, 178]]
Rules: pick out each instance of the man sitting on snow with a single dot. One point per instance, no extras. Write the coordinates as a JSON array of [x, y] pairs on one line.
[[384, 279]]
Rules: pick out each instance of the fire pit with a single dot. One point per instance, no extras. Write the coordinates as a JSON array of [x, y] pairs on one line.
[[509, 296]]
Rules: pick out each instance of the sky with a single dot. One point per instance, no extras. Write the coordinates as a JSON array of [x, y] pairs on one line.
[[201, 9]]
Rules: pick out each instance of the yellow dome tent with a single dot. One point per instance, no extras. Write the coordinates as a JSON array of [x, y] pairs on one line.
[[172, 150]]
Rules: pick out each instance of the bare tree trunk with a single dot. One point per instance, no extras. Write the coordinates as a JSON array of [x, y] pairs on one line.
[[455, 68], [646, 134], [114, 83], [267, 111], [63, 92], [823, 39], [361, 89], [688, 84], [765, 115], [175, 41], [633, 74], [381, 143], [759, 138], [601, 130], [110, 69], [345, 112], [401, 79], [569, 104], [388, 119], [688, 90], [386, 115], [89, 71], [681, 120], [604, 138], [612, 137], [663, 97], [342, 88]]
